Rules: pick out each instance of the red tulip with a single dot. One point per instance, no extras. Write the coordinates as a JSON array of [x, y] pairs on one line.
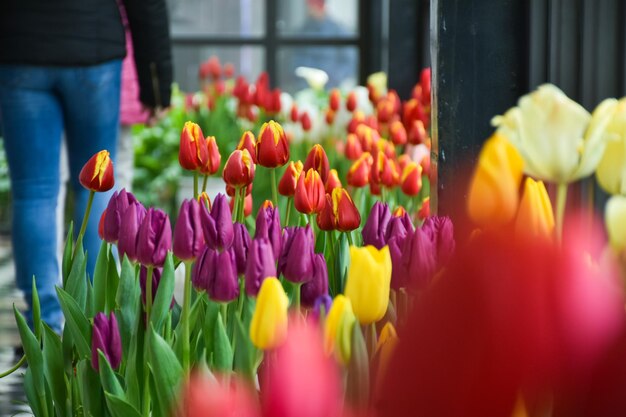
[[293, 114], [212, 164], [353, 147], [359, 172], [289, 180], [248, 142], [424, 211], [334, 99], [317, 160], [332, 181], [239, 169], [272, 149], [351, 102], [397, 132], [192, 153], [97, 173], [411, 181], [305, 120], [339, 213], [310, 196]]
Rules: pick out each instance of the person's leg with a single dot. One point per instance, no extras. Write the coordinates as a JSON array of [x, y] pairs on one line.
[[32, 120], [91, 101]]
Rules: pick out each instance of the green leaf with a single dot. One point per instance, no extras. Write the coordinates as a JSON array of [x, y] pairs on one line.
[[89, 307], [358, 382], [119, 407], [245, 352], [320, 241], [34, 356], [134, 359], [210, 318], [113, 282], [165, 292], [109, 381], [90, 389], [77, 323], [128, 300], [31, 394], [100, 279], [75, 285], [342, 261], [66, 263], [36, 308], [222, 351], [54, 369], [166, 370]]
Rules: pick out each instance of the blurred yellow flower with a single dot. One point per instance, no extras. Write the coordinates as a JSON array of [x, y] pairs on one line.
[[367, 283], [494, 188], [535, 216], [387, 342], [611, 171], [268, 328], [615, 219], [338, 329]]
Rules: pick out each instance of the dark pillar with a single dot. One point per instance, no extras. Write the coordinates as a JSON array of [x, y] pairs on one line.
[[479, 63]]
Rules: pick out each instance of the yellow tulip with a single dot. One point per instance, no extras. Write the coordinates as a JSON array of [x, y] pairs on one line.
[[558, 139], [367, 284], [268, 328], [338, 329], [615, 219], [494, 188], [611, 171], [385, 347], [535, 217]]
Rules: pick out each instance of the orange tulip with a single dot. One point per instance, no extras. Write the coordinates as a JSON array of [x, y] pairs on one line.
[[212, 163], [397, 133], [334, 99], [411, 181], [332, 181], [353, 147], [417, 132], [359, 172], [289, 180], [317, 160], [97, 173], [424, 211], [272, 149], [248, 142], [351, 102], [239, 169], [310, 195], [192, 153]]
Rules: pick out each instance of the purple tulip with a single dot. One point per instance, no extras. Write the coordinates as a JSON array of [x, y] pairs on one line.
[[399, 226], [241, 245], [129, 230], [218, 225], [317, 285], [106, 338], [296, 259], [441, 232], [119, 202], [323, 301], [204, 268], [268, 226], [375, 229], [188, 234], [156, 280], [216, 273], [261, 264], [413, 259], [155, 238]]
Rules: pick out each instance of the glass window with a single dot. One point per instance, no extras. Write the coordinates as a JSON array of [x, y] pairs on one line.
[[248, 61], [245, 18], [317, 18], [341, 63]]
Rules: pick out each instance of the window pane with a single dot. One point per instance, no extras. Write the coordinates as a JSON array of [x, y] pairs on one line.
[[341, 63], [248, 61], [217, 17], [317, 18]]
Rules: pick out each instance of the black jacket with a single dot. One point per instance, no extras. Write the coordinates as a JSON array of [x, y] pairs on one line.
[[89, 32]]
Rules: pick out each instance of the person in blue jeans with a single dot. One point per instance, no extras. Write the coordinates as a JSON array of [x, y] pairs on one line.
[[60, 66]]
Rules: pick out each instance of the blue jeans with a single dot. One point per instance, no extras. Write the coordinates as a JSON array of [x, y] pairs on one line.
[[36, 105]]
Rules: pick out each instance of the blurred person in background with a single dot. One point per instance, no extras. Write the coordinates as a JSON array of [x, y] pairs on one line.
[[60, 65]]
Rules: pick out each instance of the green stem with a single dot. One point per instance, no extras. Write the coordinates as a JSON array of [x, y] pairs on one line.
[[185, 317], [204, 182], [349, 236], [235, 213], [561, 198], [296, 302], [14, 368], [224, 311], [195, 184], [83, 226], [288, 212], [149, 293], [374, 339], [274, 187], [383, 194], [311, 219], [242, 205]]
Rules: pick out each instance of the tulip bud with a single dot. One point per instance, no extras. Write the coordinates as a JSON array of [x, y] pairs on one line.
[[317, 160], [218, 225], [268, 328], [261, 264], [129, 230], [397, 132], [535, 217], [296, 259], [192, 153], [334, 99], [118, 204], [188, 234], [305, 120], [441, 233], [375, 228], [359, 172], [248, 142], [268, 226], [330, 117], [97, 173], [615, 219], [332, 181], [294, 116], [347, 216], [399, 225], [494, 187], [216, 273], [338, 327], [368, 281], [241, 246], [239, 169], [351, 101], [353, 147], [417, 133], [424, 211], [368, 137], [310, 195], [411, 181], [385, 348], [154, 239], [358, 118], [289, 180], [317, 286], [385, 110], [106, 338], [413, 258], [205, 200], [326, 218], [384, 172], [272, 149], [214, 158], [403, 161]]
